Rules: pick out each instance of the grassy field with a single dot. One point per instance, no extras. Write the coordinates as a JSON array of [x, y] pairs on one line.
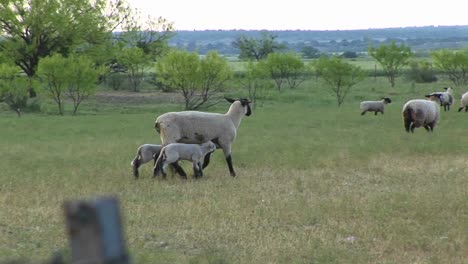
[[316, 183]]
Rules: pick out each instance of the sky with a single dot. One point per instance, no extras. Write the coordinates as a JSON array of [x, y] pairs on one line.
[[304, 14]]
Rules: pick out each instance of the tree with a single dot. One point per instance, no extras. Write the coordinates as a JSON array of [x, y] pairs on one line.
[[392, 58], [309, 52], [340, 76], [74, 77], [13, 88], [82, 79], [135, 61], [257, 49], [254, 79], [197, 79], [284, 68], [454, 64], [34, 29]]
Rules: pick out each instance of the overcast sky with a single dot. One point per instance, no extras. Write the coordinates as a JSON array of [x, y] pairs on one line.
[[304, 14]]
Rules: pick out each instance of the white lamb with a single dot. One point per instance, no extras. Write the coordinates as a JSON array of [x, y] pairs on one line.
[[179, 151], [422, 112], [374, 106], [196, 127], [446, 99], [464, 102], [146, 153]]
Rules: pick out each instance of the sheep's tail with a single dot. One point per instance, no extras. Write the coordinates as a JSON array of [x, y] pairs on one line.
[[157, 127], [408, 118]]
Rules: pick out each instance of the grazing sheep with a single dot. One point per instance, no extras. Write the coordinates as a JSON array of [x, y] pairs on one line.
[[147, 152], [464, 102], [374, 106], [446, 99], [422, 112], [196, 127], [179, 151]]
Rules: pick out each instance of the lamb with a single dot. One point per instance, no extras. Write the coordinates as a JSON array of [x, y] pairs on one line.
[[464, 102], [196, 127], [422, 112], [446, 100], [374, 106], [179, 151], [147, 152]]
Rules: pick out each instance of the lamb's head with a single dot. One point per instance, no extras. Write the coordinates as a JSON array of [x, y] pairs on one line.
[[448, 89], [386, 100], [245, 104], [209, 146], [434, 97]]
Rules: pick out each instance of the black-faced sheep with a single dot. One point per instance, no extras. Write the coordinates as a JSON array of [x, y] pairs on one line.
[[464, 102], [146, 153], [422, 112], [374, 106], [179, 151], [195, 127]]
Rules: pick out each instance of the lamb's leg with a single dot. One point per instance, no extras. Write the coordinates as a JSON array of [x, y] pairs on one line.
[[136, 165], [363, 112], [195, 170], [200, 169]]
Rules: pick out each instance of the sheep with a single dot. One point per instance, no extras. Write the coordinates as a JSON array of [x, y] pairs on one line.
[[422, 112], [174, 152], [464, 102], [196, 127], [374, 106], [446, 100], [147, 152]]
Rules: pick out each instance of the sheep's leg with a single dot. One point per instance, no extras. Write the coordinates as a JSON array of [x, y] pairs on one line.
[[376, 112], [407, 125], [363, 112], [195, 169], [206, 160], [412, 128], [178, 169], [200, 169], [136, 165]]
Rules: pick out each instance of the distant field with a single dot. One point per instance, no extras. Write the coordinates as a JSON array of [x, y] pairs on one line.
[[315, 184]]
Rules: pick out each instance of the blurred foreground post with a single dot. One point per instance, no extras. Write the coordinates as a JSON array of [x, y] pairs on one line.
[[95, 231]]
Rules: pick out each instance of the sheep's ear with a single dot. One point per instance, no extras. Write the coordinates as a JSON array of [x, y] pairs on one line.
[[229, 100]]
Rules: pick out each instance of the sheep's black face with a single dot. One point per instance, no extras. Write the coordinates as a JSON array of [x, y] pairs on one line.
[[246, 103], [387, 100]]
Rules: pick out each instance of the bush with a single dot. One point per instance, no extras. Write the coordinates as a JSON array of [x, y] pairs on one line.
[[421, 72]]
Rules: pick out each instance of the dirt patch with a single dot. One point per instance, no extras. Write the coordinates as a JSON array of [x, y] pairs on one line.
[[126, 97]]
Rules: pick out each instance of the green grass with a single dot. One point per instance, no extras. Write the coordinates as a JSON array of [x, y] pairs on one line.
[[315, 184]]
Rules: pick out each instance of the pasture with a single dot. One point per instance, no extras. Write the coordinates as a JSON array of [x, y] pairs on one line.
[[316, 183]]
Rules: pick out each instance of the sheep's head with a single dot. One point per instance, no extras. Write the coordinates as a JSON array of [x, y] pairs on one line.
[[386, 100], [244, 102], [434, 96]]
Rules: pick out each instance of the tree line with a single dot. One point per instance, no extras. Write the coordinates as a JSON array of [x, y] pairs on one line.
[[64, 49]]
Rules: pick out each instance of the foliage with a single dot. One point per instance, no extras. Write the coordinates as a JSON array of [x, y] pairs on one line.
[[13, 88], [257, 49], [38, 28], [74, 77], [340, 76], [136, 62], [309, 52], [284, 68], [254, 80], [198, 79], [392, 58], [349, 54], [421, 72], [454, 64]]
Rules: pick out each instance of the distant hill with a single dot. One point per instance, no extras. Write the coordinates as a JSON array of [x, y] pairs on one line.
[[420, 39]]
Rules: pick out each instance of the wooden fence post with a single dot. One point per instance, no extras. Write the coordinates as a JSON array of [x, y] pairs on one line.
[[94, 230]]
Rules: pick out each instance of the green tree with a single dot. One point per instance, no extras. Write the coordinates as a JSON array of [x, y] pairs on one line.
[[339, 76], [454, 64], [135, 62], [74, 77], [309, 52], [392, 58], [33, 29], [82, 79], [199, 80], [254, 80], [257, 49], [13, 88], [284, 68]]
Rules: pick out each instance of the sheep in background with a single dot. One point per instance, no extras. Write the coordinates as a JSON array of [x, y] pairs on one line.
[[464, 102], [374, 106], [179, 151], [422, 112], [146, 153], [446, 99], [196, 127]]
